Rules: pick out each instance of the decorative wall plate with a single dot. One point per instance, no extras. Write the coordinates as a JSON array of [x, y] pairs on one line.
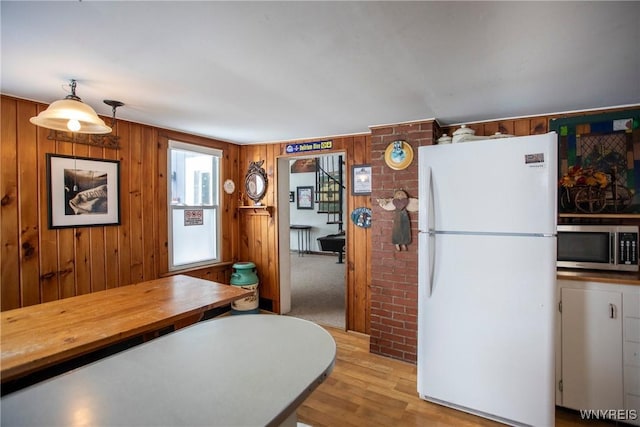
[[229, 186], [398, 155], [361, 217]]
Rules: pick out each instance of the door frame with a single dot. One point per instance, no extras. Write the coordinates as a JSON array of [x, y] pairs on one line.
[[284, 220]]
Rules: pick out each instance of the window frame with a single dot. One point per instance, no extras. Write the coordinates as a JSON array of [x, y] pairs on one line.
[[216, 207]]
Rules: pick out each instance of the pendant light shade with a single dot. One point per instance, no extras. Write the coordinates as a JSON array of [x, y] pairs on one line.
[[71, 114]]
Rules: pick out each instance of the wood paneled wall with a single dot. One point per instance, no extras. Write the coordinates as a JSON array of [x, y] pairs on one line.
[[258, 241], [524, 126], [40, 264], [258, 235]]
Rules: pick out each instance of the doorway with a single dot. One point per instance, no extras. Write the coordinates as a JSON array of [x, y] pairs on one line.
[[312, 280]]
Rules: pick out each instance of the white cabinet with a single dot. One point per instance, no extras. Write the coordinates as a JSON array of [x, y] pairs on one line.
[[598, 347], [591, 349], [631, 351]]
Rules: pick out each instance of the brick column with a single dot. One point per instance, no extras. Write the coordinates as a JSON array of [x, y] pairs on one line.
[[394, 283]]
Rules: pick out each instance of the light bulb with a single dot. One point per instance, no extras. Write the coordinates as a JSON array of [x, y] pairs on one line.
[[73, 125]]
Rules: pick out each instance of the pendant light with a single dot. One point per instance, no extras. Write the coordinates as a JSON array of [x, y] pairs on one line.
[[71, 114]]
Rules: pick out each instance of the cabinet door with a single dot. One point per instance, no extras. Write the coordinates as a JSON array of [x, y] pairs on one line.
[[591, 349]]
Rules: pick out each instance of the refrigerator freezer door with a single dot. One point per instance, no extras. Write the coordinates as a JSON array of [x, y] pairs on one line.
[[485, 331], [497, 186]]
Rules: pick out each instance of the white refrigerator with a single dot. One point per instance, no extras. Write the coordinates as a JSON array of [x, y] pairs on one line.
[[487, 269]]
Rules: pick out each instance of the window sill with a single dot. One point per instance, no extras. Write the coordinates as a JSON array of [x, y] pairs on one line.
[[219, 265]]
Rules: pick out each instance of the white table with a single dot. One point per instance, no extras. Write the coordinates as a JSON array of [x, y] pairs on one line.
[[304, 238], [244, 370]]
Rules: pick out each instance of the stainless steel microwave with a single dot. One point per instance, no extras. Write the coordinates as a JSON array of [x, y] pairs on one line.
[[600, 247]]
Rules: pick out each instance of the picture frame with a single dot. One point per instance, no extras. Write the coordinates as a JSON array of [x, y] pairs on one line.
[[361, 180], [304, 197], [594, 147], [82, 191]]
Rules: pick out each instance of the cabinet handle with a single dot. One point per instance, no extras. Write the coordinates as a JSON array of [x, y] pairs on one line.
[[612, 311]]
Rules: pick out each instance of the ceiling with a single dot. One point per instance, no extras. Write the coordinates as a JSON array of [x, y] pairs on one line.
[[255, 72]]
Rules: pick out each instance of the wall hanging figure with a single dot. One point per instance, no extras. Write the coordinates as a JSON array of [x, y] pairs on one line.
[[402, 204]]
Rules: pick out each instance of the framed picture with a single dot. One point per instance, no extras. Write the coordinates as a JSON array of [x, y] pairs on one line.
[[598, 165], [305, 197], [83, 192], [361, 180]]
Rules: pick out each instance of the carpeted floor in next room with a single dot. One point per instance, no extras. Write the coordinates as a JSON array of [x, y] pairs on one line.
[[318, 289]]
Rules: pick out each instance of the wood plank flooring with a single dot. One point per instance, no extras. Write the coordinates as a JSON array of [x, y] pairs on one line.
[[365, 389]]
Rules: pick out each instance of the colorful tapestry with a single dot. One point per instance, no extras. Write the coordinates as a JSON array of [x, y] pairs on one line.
[[599, 163]]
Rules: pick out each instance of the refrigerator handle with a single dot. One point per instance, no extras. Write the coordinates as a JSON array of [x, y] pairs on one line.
[[425, 202], [426, 224], [431, 262], [430, 220], [426, 265]]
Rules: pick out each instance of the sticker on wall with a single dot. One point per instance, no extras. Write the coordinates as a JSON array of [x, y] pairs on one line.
[[193, 217], [361, 217], [398, 155]]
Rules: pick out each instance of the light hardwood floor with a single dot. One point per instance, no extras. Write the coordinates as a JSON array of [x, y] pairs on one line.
[[365, 389]]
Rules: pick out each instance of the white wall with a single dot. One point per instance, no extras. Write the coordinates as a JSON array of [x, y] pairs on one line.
[[318, 221]]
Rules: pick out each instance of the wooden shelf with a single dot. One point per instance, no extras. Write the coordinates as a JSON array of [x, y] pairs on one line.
[[257, 210]]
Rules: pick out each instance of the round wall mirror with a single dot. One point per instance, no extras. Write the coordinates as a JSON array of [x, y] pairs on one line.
[[255, 182]]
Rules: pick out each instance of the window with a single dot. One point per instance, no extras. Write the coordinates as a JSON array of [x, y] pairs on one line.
[[194, 211]]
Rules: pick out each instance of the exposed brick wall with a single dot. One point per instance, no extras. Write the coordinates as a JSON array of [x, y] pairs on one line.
[[394, 283]]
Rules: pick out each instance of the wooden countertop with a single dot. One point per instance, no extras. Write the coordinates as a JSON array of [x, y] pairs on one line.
[[618, 278], [42, 335]]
